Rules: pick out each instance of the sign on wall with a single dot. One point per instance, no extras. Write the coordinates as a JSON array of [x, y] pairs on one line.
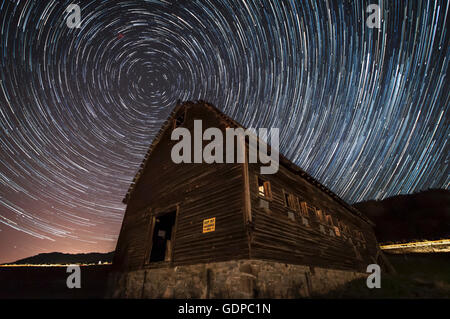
[[209, 225]]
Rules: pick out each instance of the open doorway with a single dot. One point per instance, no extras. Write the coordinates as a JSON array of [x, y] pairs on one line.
[[162, 242]]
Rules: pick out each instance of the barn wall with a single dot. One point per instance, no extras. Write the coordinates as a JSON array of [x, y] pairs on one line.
[[277, 237], [201, 191]]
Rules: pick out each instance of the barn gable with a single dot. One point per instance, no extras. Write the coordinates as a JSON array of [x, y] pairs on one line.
[[196, 192], [232, 123]]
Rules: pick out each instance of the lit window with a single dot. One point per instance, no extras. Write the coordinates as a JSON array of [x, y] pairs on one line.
[[304, 209], [329, 220], [261, 190], [264, 189], [319, 215]]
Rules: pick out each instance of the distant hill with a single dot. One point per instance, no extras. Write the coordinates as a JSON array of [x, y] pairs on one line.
[[423, 215], [61, 258]]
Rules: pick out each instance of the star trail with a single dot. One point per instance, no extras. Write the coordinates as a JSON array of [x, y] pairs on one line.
[[363, 110]]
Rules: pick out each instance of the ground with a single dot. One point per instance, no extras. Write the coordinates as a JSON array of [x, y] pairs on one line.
[[418, 276], [50, 282]]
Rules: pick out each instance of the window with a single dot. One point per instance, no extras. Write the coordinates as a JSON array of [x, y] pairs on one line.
[[291, 201], [357, 236], [337, 231], [311, 210], [264, 189], [329, 220], [178, 121], [338, 227], [304, 209], [319, 215], [286, 199], [344, 228], [360, 236]]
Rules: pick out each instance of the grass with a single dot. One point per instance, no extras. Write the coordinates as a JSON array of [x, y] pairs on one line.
[[421, 276]]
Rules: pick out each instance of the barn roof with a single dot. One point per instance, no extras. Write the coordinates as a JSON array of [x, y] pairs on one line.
[[283, 160]]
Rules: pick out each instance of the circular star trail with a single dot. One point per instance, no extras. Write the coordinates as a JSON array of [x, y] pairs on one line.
[[363, 110]]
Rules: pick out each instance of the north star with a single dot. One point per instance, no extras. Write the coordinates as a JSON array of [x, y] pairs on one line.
[[195, 309]]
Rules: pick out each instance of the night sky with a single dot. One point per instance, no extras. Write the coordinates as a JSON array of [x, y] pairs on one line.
[[365, 111]]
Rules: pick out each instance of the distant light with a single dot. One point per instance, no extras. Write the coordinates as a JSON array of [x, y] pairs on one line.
[[420, 246]]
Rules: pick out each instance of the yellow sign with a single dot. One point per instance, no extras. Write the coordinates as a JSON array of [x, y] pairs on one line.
[[209, 225]]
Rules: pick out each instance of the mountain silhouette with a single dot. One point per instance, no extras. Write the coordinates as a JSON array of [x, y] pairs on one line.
[[62, 258], [402, 218]]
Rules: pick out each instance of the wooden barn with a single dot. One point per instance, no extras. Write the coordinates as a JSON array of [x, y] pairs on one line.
[[224, 230]]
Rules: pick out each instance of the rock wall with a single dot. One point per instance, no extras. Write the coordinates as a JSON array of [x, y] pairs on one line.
[[231, 279]]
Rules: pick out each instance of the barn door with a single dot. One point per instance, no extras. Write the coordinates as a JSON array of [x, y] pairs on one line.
[[162, 238]]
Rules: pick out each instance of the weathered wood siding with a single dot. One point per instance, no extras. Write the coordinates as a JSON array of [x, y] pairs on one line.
[[277, 237], [201, 191]]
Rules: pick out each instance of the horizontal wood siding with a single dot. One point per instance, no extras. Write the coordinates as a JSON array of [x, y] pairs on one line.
[[131, 248], [218, 194], [277, 237]]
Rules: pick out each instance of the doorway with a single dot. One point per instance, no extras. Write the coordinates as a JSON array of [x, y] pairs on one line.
[[162, 242]]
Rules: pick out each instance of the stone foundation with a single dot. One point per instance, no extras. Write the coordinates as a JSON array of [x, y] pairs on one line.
[[231, 279]]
